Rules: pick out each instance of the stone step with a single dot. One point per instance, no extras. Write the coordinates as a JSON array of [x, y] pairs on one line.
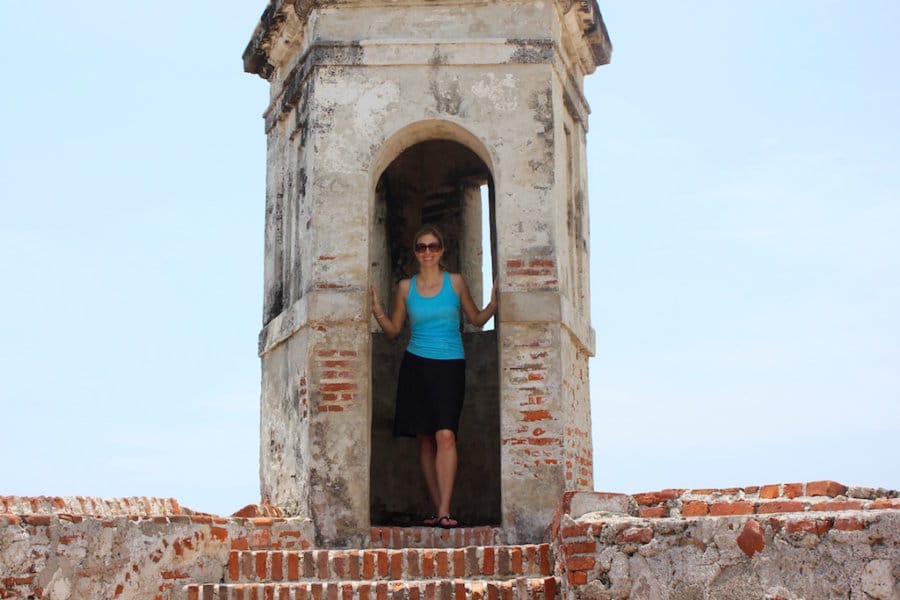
[[501, 562], [434, 537], [522, 588]]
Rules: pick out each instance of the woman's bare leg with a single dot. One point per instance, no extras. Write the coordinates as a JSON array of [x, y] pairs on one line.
[[427, 460], [445, 465]]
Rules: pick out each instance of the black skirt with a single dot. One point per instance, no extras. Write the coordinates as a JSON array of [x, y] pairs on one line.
[[429, 395]]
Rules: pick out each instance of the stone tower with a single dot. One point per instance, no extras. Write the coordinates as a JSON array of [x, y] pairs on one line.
[[384, 116]]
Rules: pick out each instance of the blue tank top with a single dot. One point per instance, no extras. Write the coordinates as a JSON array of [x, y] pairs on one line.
[[434, 322]]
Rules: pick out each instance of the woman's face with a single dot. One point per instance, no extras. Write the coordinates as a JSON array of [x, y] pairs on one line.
[[428, 249]]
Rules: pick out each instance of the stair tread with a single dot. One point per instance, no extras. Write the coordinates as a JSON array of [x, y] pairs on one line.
[[422, 536], [531, 588], [390, 550]]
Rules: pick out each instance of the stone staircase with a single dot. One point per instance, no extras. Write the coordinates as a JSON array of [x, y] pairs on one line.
[[411, 563]]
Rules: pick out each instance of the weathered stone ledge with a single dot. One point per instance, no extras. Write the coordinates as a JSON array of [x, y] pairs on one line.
[[782, 541], [126, 551]]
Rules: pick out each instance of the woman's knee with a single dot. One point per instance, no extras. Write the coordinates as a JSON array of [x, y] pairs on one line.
[[445, 438], [427, 443]]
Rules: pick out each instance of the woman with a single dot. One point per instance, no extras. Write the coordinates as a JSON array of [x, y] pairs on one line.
[[432, 376]]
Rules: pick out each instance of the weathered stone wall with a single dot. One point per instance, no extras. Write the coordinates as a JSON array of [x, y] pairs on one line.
[[787, 542], [127, 548]]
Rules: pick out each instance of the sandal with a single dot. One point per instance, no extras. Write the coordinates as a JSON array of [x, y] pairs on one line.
[[431, 522], [447, 522]]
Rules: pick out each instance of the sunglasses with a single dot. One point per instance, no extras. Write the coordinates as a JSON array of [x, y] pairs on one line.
[[433, 247]]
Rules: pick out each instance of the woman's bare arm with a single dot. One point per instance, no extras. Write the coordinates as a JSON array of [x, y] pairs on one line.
[[476, 316], [393, 325]]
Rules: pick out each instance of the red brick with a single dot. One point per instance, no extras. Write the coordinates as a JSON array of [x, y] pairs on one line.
[[792, 490], [577, 577], [780, 507], [69, 518], [241, 543], [37, 520], [234, 565], [261, 565], [382, 564], [838, 505], [694, 508], [277, 566], [218, 533], [768, 492], [580, 563], [546, 567], [635, 535], [731, 508], [459, 589], [704, 491], [260, 538], [515, 559], [322, 564], [576, 530], [580, 548], [293, 566], [10, 519], [443, 563], [817, 526], [540, 263], [396, 565], [654, 512], [459, 563], [653, 498], [883, 503], [849, 524], [536, 415], [337, 387], [751, 539], [825, 488], [488, 565]]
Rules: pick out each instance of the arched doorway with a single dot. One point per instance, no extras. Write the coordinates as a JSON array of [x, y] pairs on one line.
[[443, 183]]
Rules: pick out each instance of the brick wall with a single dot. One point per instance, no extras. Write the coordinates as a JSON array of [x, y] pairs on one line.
[[126, 548], [577, 408], [531, 436], [782, 541]]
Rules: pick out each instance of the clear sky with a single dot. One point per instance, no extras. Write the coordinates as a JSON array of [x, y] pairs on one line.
[[745, 229]]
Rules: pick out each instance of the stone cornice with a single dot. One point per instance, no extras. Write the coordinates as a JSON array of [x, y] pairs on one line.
[[493, 51], [256, 56]]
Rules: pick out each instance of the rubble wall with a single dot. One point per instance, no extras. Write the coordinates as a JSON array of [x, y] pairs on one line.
[[126, 548], [778, 542]]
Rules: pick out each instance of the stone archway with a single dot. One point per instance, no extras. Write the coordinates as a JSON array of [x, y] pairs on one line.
[[444, 183]]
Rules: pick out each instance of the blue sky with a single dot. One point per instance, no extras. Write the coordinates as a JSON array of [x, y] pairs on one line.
[[745, 205]]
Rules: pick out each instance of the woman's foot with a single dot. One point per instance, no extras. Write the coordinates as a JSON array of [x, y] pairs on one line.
[[447, 522], [431, 522]]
